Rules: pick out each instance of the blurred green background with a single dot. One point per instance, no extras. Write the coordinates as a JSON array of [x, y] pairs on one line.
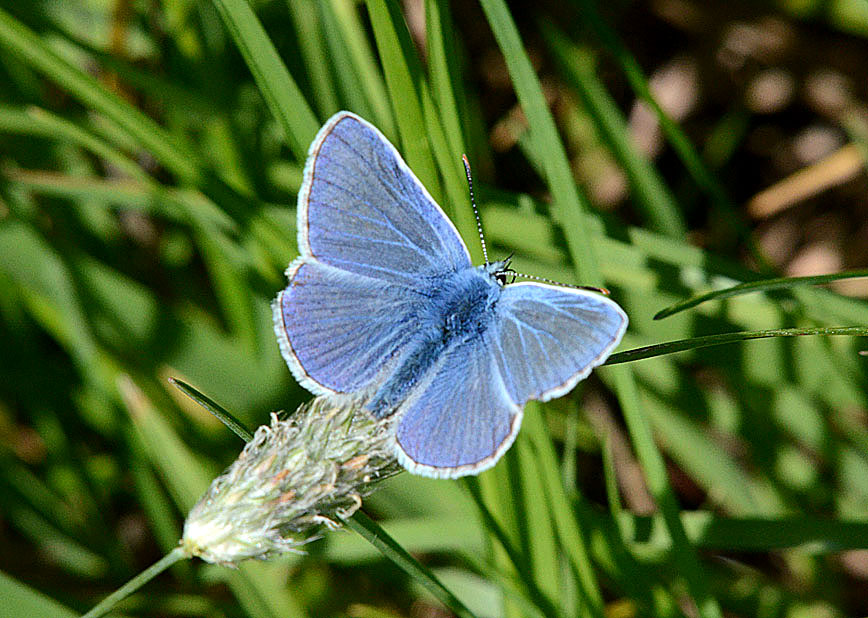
[[150, 156]]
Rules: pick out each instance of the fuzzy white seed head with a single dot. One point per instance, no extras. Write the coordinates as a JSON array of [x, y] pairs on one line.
[[294, 477]]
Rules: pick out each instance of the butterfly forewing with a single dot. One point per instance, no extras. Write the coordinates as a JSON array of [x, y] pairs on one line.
[[362, 210]]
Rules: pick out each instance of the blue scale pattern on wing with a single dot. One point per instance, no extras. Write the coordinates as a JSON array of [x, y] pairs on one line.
[[368, 215], [463, 415], [346, 329], [548, 335]]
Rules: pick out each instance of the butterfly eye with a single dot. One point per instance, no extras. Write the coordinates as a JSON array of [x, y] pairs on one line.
[[505, 276]]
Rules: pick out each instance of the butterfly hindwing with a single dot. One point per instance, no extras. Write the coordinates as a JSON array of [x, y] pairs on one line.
[[462, 419], [549, 338], [337, 330]]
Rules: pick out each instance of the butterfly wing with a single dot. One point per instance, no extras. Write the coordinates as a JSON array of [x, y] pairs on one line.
[[541, 342], [549, 338], [372, 241], [337, 330], [462, 419], [362, 210]]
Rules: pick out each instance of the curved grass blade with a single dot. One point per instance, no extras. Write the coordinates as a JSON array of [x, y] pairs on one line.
[[680, 345], [234, 425], [376, 536], [780, 283], [282, 94]]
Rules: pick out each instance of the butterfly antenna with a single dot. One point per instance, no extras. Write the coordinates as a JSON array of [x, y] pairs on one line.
[[473, 203], [588, 288]]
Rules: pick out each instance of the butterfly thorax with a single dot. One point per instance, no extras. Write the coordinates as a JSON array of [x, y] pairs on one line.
[[461, 307]]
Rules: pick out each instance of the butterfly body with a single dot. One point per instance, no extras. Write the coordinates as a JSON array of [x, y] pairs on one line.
[[384, 305], [460, 307]]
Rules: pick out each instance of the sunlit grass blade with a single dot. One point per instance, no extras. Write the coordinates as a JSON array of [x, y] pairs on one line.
[[569, 204], [694, 343], [375, 535], [444, 71], [403, 74], [444, 123], [313, 51], [21, 600], [766, 285], [750, 534], [23, 42], [348, 51], [285, 100], [651, 194], [570, 530], [346, 24], [570, 207]]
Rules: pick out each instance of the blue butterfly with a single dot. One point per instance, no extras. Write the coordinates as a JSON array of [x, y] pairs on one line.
[[384, 305]]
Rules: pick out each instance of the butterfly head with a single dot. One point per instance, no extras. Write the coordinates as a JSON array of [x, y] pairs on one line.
[[500, 271]]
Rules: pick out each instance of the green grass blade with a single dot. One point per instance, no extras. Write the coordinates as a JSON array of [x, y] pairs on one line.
[[313, 52], [25, 44], [444, 71], [444, 123], [342, 40], [695, 343], [683, 553], [354, 36], [682, 145], [569, 204], [652, 196], [375, 535], [537, 525], [403, 79], [766, 285], [21, 600], [285, 100], [750, 534], [234, 425], [571, 531]]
